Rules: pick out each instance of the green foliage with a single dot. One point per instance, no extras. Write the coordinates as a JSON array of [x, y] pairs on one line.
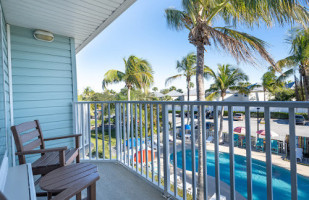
[[226, 78], [283, 94], [138, 74], [273, 115]]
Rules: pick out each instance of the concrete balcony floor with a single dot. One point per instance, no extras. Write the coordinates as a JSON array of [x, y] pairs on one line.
[[118, 183]]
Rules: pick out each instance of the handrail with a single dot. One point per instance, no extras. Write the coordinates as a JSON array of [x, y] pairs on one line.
[[278, 104]]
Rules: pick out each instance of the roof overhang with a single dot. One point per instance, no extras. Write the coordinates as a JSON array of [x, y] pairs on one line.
[[79, 19]]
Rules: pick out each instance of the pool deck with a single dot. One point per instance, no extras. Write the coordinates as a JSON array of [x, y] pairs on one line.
[[277, 160]]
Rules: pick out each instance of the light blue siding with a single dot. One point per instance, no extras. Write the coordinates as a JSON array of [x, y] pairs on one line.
[[4, 93], [43, 80]]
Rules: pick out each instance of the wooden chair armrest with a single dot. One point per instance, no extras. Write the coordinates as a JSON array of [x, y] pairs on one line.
[[42, 151], [63, 137]]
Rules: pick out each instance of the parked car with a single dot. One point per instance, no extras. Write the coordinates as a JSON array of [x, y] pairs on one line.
[[300, 119], [238, 116]]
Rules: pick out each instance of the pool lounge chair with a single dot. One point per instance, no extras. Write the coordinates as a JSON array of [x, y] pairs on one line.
[[299, 154], [236, 140], [209, 139], [260, 144], [274, 146]]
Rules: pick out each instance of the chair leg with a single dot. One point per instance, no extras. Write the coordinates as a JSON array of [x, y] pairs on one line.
[[79, 196], [49, 195], [91, 192]]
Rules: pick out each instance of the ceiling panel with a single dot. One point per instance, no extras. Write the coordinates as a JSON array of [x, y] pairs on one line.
[[80, 19]]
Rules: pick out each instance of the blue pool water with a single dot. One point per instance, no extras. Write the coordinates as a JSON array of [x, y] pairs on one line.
[[281, 176]]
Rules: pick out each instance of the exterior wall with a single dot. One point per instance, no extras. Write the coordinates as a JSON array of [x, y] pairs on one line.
[[4, 91], [44, 83]]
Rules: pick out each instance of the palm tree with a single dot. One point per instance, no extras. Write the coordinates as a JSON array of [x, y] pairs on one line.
[[268, 82], [299, 57], [155, 89], [227, 78], [186, 68], [138, 73], [245, 88], [198, 16]]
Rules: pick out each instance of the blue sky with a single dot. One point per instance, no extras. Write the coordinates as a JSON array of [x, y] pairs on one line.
[[142, 31]]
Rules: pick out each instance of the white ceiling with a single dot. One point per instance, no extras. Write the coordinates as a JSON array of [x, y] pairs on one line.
[[80, 19]]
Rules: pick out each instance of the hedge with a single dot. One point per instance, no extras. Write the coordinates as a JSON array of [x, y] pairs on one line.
[[273, 115]]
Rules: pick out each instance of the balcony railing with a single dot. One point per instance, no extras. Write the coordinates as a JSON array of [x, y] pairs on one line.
[[141, 135]]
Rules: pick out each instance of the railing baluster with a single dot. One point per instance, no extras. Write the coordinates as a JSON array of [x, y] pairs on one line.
[[109, 131], [268, 154], [89, 131], [83, 129], [136, 139], [118, 141], [193, 153], [96, 131], [293, 159], [128, 136], [132, 136], [103, 131], [146, 139], [204, 153], [121, 132], [183, 147], [124, 132], [158, 145], [166, 162], [248, 153], [217, 166], [174, 149], [231, 148], [141, 137], [151, 129]]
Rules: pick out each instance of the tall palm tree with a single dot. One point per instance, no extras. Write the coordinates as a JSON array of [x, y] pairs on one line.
[[186, 68], [199, 16], [299, 57], [138, 73], [227, 78]]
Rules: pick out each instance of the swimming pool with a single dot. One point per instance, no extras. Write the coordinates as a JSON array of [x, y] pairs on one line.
[[281, 176]]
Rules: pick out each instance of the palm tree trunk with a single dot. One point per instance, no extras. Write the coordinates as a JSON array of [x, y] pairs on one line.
[[221, 121], [301, 85], [306, 83], [296, 89], [264, 93], [188, 110], [200, 97]]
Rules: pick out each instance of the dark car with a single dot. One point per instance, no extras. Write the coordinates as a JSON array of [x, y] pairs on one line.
[[211, 114], [299, 119]]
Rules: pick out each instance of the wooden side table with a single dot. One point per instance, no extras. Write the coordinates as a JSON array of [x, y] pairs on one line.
[[71, 180]]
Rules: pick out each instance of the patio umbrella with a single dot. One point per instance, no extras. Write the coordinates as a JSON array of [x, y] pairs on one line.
[[272, 133], [240, 130]]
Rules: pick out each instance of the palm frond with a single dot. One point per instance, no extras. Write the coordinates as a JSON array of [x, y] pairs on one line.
[[177, 19], [172, 78], [112, 76], [240, 45]]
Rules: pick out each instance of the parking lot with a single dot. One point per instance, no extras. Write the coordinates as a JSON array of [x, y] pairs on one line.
[[280, 126]]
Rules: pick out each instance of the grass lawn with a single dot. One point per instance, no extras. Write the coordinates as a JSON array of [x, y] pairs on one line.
[[106, 143]]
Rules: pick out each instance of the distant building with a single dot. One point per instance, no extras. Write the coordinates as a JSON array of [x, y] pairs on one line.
[[175, 95]]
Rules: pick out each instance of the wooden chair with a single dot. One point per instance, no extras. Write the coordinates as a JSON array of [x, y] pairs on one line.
[[51, 158]]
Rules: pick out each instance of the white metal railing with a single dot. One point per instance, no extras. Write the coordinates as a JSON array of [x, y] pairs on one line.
[[131, 132]]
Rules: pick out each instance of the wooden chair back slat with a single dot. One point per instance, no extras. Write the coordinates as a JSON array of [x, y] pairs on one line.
[[25, 126], [29, 136], [32, 145], [33, 130]]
